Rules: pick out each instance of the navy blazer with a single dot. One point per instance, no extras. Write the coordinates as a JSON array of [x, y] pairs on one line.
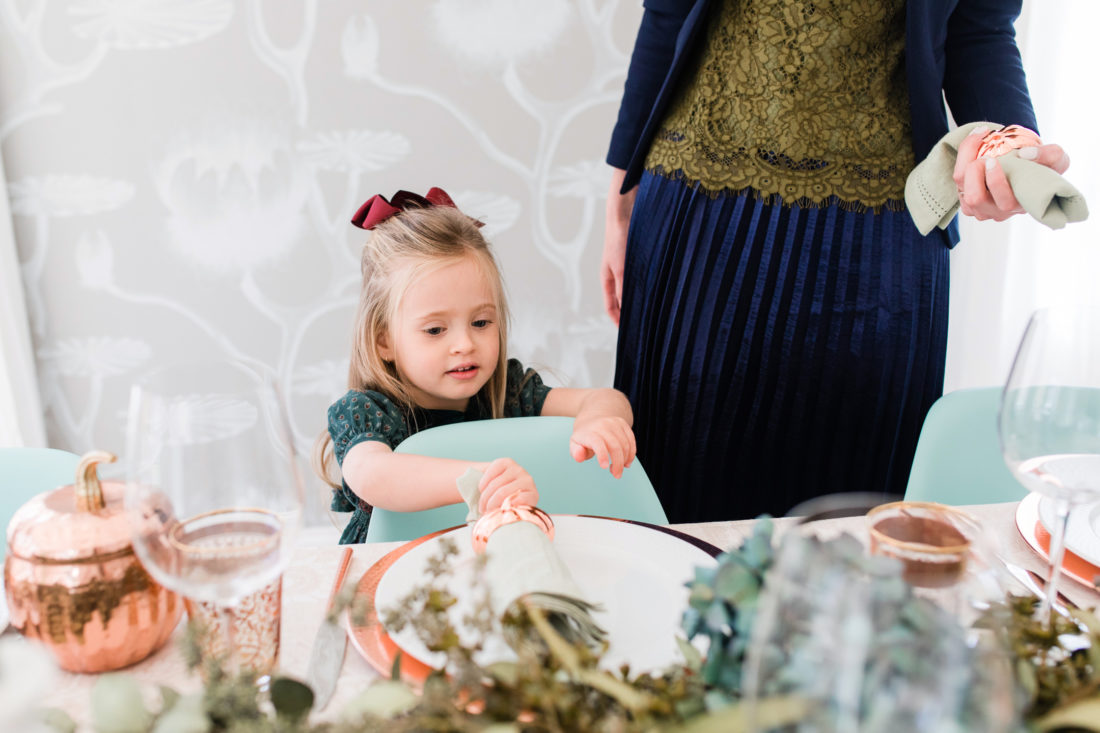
[[964, 50]]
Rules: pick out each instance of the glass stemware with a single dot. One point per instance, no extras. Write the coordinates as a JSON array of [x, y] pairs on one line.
[[214, 493], [1049, 422]]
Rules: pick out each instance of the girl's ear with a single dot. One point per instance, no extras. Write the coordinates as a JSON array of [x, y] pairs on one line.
[[385, 350]]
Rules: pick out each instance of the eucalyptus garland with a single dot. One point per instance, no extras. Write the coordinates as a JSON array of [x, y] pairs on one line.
[[555, 686]]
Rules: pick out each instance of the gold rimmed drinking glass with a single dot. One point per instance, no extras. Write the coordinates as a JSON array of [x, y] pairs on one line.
[[214, 499]]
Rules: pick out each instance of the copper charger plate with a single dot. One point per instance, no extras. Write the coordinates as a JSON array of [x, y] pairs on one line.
[[370, 638], [1038, 538]]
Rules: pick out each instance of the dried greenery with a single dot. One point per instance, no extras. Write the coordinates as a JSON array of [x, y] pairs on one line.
[[1057, 664], [556, 686]]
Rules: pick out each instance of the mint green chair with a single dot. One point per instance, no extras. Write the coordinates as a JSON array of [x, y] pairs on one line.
[[540, 445], [26, 472], [958, 458]]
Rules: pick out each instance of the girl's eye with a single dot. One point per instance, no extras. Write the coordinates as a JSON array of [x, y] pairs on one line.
[[434, 330], [481, 323]]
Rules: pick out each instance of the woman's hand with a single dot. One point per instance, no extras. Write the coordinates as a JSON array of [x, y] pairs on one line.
[[984, 191], [504, 479], [608, 438], [616, 225]]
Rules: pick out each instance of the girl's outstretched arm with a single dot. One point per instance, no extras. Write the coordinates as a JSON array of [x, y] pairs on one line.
[[403, 482], [601, 427]]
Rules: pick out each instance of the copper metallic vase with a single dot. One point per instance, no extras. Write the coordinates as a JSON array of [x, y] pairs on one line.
[[73, 582]]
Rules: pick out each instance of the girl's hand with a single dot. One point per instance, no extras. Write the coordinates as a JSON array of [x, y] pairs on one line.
[[984, 191], [608, 438], [503, 479]]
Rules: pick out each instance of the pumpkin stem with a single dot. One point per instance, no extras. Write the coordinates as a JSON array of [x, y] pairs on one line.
[[89, 494]]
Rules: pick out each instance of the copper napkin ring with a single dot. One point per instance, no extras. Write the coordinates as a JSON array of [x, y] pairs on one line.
[[507, 514], [999, 142]]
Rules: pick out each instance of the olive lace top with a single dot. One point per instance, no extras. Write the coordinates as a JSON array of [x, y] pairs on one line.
[[368, 415], [804, 102]]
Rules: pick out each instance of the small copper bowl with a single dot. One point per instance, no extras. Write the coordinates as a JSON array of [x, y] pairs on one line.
[[929, 539]]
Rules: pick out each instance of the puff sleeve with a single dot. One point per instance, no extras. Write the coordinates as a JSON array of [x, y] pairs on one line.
[[525, 392], [358, 417]]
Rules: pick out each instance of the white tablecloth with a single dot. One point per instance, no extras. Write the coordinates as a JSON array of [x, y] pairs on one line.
[[308, 580]]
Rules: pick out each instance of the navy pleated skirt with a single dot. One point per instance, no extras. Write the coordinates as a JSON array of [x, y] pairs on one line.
[[773, 353]]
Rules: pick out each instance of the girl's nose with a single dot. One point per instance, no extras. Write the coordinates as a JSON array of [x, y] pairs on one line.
[[462, 341]]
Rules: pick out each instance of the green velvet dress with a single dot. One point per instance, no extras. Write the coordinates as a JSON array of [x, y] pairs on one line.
[[361, 416]]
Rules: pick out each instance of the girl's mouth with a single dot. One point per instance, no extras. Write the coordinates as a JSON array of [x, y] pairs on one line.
[[467, 371]]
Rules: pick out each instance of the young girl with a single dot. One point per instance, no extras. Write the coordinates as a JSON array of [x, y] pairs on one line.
[[428, 350]]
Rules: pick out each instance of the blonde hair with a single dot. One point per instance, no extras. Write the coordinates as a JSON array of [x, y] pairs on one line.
[[398, 252]]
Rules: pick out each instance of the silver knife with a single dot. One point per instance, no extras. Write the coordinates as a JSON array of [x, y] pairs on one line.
[[329, 646], [1024, 578]]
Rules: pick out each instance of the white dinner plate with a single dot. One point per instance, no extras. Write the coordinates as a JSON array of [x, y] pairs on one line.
[[1082, 531], [637, 573], [1027, 514]]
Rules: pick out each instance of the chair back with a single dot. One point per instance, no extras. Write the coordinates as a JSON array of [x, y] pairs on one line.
[[26, 472], [541, 446], [958, 458]]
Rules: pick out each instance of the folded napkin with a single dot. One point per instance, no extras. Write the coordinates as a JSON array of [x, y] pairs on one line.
[[932, 197], [522, 565]]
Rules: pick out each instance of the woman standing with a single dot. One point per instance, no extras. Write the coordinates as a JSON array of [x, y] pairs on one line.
[[782, 324]]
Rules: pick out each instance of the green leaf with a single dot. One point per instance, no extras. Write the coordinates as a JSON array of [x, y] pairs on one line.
[[58, 720], [395, 669], [187, 715], [168, 698], [506, 672], [771, 713], [1083, 715], [291, 698], [717, 617], [384, 699], [693, 658], [117, 706], [735, 583], [701, 596]]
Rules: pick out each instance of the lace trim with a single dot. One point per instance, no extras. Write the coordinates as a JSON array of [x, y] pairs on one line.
[[776, 199], [831, 70]]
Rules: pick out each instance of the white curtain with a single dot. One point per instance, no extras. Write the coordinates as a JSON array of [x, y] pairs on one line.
[[21, 422], [1000, 273]]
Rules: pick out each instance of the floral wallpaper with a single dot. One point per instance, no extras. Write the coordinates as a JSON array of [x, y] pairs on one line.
[[181, 175]]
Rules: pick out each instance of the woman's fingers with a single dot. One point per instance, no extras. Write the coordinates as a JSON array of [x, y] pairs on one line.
[[976, 200], [1052, 156], [967, 152], [1000, 189]]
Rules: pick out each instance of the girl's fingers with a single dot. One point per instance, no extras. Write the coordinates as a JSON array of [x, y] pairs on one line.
[[599, 446], [617, 456], [496, 476], [579, 451]]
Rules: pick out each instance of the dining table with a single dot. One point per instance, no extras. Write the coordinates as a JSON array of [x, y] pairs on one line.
[[308, 579]]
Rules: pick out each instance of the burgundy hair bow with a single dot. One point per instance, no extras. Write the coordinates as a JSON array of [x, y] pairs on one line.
[[377, 209]]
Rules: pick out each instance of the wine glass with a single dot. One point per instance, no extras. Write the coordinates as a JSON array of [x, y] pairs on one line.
[[214, 498], [1049, 422]]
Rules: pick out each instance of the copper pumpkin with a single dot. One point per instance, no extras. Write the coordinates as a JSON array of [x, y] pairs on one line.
[[72, 579]]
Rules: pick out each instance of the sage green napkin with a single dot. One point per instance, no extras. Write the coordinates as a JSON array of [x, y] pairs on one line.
[[470, 493], [933, 199], [523, 564]]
